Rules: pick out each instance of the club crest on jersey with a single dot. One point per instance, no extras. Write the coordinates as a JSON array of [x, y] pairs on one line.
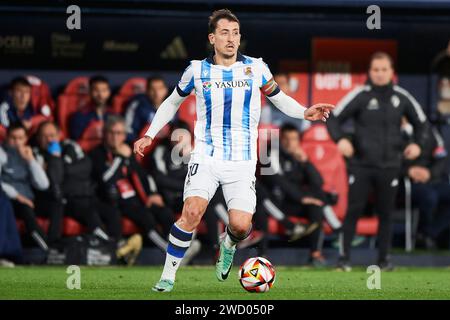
[[206, 85], [248, 72]]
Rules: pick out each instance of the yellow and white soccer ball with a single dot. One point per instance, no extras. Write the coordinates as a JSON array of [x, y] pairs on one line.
[[257, 275]]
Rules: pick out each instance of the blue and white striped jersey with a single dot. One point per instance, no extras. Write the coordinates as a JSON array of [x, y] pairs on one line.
[[228, 105]]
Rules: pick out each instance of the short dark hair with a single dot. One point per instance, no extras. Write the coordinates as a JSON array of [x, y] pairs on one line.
[[286, 127], [154, 78], [15, 126], [22, 81], [381, 55], [221, 14], [96, 79]]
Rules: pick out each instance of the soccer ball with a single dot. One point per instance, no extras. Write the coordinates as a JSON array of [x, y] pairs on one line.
[[257, 275]]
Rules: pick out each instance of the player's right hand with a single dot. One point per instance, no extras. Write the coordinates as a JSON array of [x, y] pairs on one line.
[[345, 147], [141, 144]]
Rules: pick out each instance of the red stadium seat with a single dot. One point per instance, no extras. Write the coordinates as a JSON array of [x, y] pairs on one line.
[[41, 97], [128, 227], [74, 98], [71, 227], [68, 105], [2, 133], [130, 88], [78, 86], [367, 226], [42, 222], [92, 136], [187, 111], [119, 103], [133, 86]]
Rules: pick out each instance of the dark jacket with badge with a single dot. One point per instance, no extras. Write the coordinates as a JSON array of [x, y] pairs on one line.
[[119, 178], [377, 112], [69, 173]]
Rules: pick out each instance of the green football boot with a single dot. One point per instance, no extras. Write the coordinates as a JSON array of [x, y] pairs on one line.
[[224, 262], [163, 285]]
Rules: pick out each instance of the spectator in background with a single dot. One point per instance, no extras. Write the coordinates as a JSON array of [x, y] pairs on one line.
[[125, 189], [375, 155], [297, 188], [141, 109], [19, 175], [17, 106], [97, 110], [272, 115], [71, 191], [10, 246], [430, 186], [441, 66]]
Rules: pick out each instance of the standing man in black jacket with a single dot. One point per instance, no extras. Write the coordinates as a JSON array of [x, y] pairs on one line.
[[375, 150]]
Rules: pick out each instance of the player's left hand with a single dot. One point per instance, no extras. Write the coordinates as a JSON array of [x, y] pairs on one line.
[[141, 144], [320, 111]]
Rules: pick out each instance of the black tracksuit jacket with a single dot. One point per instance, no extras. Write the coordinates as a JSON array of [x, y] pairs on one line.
[[377, 112]]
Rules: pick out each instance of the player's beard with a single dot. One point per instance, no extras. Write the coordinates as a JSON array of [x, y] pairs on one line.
[[227, 55]]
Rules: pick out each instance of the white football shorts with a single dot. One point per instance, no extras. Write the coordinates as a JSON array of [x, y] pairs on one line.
[[237, 179]]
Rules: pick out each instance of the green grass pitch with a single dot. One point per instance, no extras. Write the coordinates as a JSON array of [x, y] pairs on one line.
[[200, 283]]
